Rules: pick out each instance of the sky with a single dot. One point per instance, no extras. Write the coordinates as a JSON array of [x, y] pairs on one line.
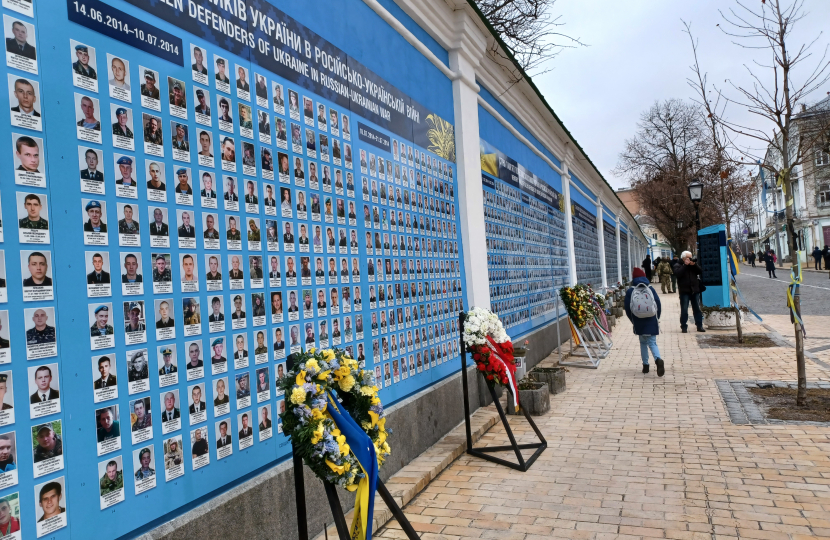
[[637, 54]]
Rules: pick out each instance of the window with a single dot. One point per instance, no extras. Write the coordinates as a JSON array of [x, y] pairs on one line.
[[822, 157], [824, 195], [654, 236]]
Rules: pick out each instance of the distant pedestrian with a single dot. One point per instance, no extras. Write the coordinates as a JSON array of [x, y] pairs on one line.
[[761, 257], [643, 309], [770, 259], [688, 285], [664, 273], [647, 267], [751, 258], [817, 257], [825, 253], [674, 261]]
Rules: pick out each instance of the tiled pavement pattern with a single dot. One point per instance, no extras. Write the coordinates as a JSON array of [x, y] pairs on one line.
[[637, 456]]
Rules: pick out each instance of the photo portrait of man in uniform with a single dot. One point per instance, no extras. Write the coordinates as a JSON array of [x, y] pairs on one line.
[[18, 44], [81, 65], [106, 379], [42, 333], [33, 220], [91, 172], [148, 87], [48, 443], [120, 127], [119, 74], [101, 326], [152, 129], [137, 369], [26, 95]]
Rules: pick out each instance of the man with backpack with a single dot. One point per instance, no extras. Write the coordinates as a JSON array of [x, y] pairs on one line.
[[688, 285], [642, 306]]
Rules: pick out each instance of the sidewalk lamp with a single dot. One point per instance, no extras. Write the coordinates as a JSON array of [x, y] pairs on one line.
[[696, 194]]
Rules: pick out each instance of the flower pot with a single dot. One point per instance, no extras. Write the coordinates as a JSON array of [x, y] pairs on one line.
[[536, 400], [720, 320], [554, 377]]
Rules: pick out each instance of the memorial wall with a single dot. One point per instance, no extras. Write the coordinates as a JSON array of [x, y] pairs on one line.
[[527, 255], [609, 236], [197, 190]]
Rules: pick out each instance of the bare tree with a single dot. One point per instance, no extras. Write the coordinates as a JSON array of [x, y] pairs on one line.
[[531, 34], [773, 96]]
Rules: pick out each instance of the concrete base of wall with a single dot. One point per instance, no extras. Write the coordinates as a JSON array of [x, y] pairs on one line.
[[264, 506]]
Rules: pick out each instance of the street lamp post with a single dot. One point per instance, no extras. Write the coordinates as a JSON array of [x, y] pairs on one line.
[[696, 194]]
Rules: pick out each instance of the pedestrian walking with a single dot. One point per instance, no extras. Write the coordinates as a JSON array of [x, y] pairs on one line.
[[761, 257], [751, 258], [647, 267], [664, 273], [817, 257], [770, 259], [688, 285], [643, 309], [825, 253]]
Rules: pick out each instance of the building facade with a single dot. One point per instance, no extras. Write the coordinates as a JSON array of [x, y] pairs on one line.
[[260, 178]]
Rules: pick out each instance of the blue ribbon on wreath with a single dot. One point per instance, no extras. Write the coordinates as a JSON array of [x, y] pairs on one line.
[[364, 450]]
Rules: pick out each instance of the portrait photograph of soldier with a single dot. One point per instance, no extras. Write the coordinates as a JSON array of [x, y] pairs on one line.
[[94, 220], [199, 450], [173, 458], [221, 77], [28, 154], [164, 314], [141, 414], [144, 468], [161, 268], [158, 221], [50, 506], [156, 187], [111, 481], [108, 425], [180, 136], [36, 268], [104, 372], [137, 368], [121, 119], [20, 40], [149, 88], [118, 76], [152, 129], [168, 363], [99, 318], [202, 107], [43, 383], [24, 102], [124, 173], [127, 220], [91, 173], [171, 407], [134, 322], [176, 94], [98, 267], [32, 218], [84, 62], [6, 393], [198, 66], [132, 268], [8, 455]]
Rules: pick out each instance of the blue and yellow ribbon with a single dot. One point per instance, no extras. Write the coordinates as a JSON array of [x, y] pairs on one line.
[[793, 292], [364, 450]]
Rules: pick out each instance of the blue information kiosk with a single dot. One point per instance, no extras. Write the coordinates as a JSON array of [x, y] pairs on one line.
[[712, 258]]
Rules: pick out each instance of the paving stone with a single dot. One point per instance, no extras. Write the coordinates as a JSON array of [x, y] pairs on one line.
[[637, 456]]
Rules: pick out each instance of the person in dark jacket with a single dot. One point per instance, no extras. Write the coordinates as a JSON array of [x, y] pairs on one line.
[[646, 328], [826, 254], [647, 267], [817, 257], [770, 258], [688, 285], [751, 258]]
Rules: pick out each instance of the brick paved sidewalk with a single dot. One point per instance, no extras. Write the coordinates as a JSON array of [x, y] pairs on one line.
[[637, 456]]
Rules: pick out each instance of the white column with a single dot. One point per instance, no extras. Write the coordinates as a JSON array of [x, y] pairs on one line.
[[464, 60], [628, 245], [619, 250], [569, 227], [601, 233]]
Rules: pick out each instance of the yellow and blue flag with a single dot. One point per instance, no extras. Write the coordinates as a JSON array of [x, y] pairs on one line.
[[364, 450]]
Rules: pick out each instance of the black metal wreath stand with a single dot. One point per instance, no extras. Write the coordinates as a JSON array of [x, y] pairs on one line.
[[484, 452], [336, 509]]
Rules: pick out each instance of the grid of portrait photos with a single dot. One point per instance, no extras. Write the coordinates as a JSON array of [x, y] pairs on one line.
[[230, 220], [29, 329], [527, 254], [609, 239], [586, 245]]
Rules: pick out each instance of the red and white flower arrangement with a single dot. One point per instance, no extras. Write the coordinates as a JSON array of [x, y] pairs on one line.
[[491, 348]]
